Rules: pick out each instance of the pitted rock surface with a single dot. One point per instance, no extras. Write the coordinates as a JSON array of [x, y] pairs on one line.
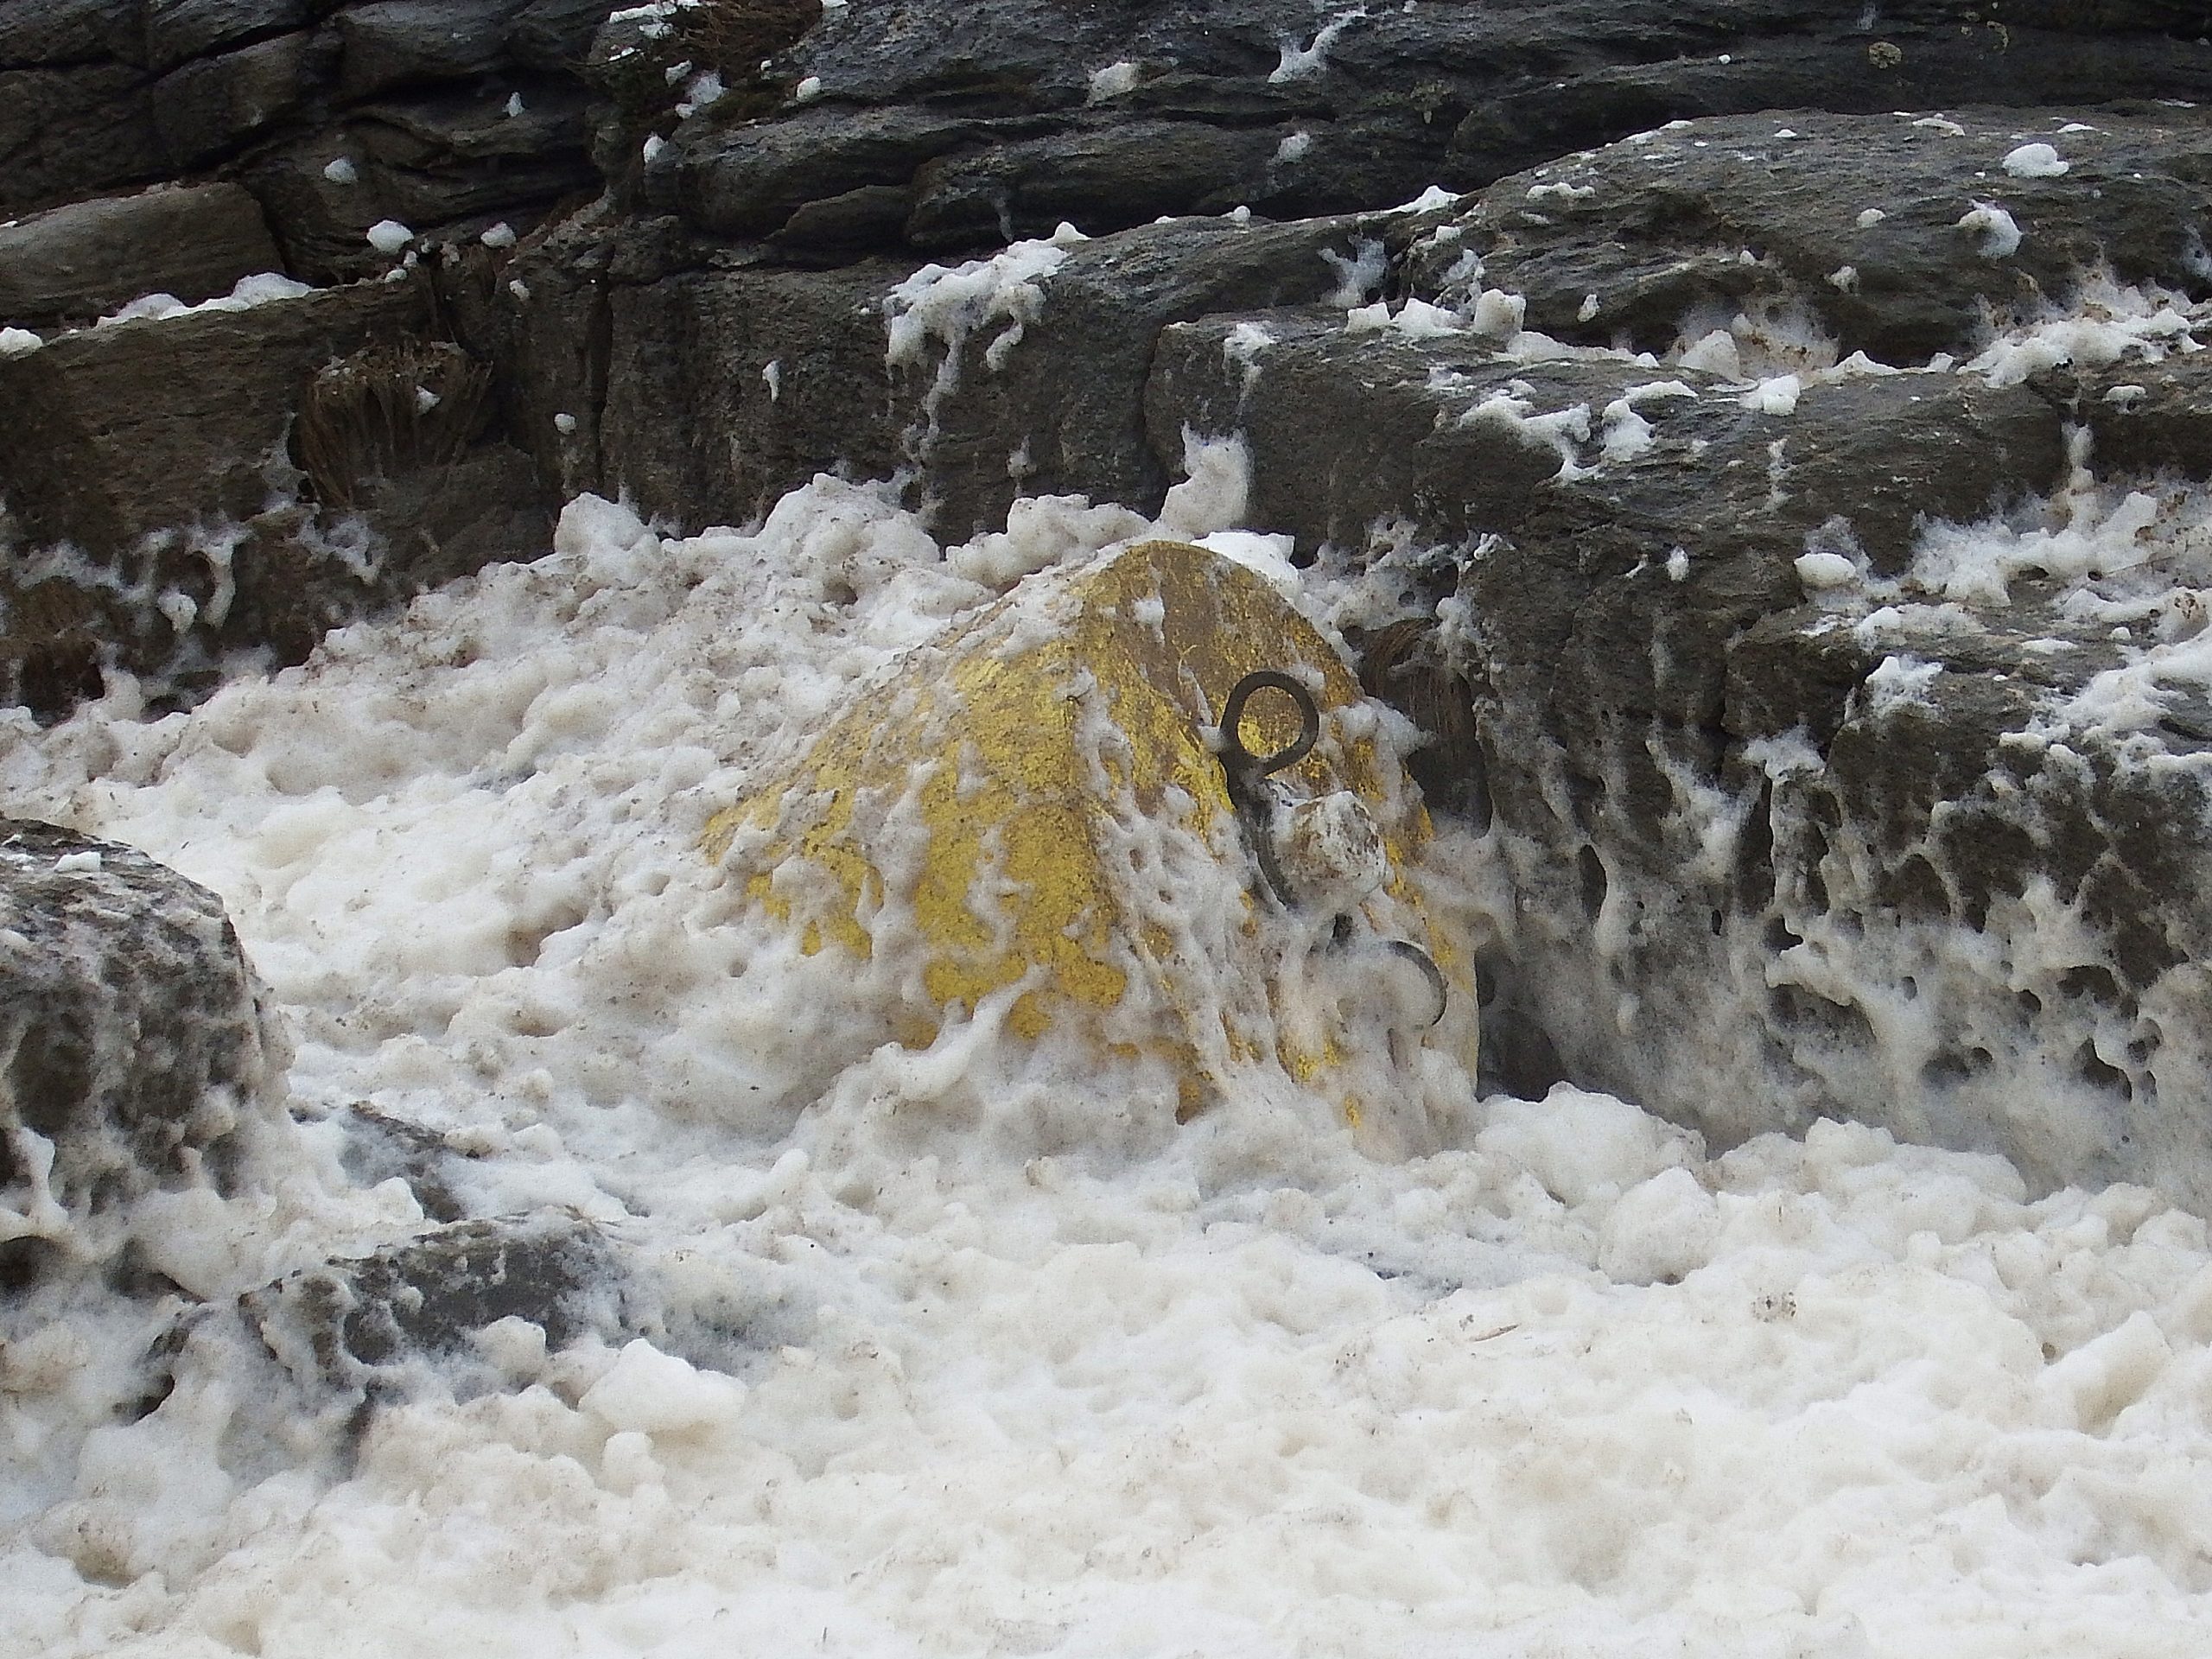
[[137, 1052], [344, 1325]]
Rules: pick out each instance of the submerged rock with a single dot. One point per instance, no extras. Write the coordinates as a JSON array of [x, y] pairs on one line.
[[339, 1326]]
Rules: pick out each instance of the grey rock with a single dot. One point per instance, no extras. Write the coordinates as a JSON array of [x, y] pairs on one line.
[[1714, 218], [160, 521], [2142, 418], [379, 1147], [72, 131], [1394, 99], [34, 32], [211, 105], [364, 1333], [703, 433], [558, 345], [442, 128], [749, 179], [1752, 884], [321, 224], [178, 29], [352, 1327], [873, 216], [298, 572], [396, 44], [738, 443], [147, 426], [1037, 55], [2068, 57], [443, 158], [449, 165], [138, 1056], [1099, 176], [91, 256], [555, 34]]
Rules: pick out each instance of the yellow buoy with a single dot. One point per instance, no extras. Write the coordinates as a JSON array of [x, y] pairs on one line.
[[1048, 804]]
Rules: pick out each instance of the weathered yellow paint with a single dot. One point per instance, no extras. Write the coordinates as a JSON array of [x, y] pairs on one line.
[[967, 770]]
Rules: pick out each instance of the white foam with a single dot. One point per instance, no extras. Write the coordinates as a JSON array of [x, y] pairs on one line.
[[2106, 323], [1996, 235], [1114, 80], [2036, 161], [265, 288], [941, 307], [1300, 62]]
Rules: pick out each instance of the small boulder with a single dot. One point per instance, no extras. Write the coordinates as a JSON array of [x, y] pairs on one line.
[[137, 1053], [347, 1325]]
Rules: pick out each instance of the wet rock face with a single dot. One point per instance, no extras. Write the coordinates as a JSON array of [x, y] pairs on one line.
[[97, 96], [780, 374], [1000, 119], [1844, 227], [91, 258], [137, 1055], [157, 517], [167, 503]]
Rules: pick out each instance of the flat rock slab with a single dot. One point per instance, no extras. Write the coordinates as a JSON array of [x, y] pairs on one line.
[[179, 30], [92, 257]]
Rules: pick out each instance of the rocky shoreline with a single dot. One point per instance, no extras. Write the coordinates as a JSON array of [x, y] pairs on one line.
[[1653, 359]]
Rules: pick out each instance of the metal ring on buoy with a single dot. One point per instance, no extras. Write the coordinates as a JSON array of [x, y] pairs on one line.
[[1232, 716], [1427, 963], [1246, 773]]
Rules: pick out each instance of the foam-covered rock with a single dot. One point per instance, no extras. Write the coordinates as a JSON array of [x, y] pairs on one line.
[[158, 471], [138, 1055], [1859, 229], [348, 1323]]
